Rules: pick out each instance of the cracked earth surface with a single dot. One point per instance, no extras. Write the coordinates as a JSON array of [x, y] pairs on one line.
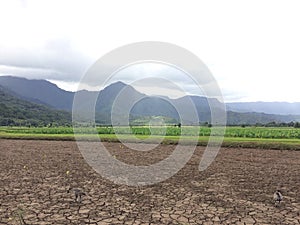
[[236, 189]]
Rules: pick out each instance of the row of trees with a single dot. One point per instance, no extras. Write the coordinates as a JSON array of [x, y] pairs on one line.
[[32, 122], [274, 124]]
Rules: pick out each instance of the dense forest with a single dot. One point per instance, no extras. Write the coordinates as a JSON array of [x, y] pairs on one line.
[[15, 111]]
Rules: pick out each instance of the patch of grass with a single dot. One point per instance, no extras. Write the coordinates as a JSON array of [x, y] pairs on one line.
[[18, 216]]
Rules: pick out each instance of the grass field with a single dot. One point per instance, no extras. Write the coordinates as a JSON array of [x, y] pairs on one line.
[[255, 137]]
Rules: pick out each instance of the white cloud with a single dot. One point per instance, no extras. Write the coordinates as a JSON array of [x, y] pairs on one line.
[[251, 47]]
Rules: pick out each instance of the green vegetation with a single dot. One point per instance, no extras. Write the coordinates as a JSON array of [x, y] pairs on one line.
[[263, 132], [258, 137], [233, 132], [15, 111]]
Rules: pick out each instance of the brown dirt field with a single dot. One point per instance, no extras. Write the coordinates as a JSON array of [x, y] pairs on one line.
[[236, 189]]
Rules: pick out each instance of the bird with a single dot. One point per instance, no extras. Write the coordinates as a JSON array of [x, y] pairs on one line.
[[277, 197], [78, 193]]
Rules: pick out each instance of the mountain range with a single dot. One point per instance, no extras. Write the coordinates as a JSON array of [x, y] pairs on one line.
[[42, 93], [14, 110], [281, 108]]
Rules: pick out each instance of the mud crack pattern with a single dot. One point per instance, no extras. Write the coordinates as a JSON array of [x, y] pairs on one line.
[[236, 189]]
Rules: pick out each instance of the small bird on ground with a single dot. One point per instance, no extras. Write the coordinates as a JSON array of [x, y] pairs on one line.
[[78, 193], [277, 198]]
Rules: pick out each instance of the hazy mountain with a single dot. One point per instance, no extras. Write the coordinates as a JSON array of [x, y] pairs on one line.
[[44, 92], [282, 108], [16, 111], [108, 95], [238, 118], [39, 91]]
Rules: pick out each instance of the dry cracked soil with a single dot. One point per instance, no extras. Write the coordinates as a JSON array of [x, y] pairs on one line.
[[236, 189]]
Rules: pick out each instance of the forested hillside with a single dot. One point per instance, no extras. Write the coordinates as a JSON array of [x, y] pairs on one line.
[[16, 111]]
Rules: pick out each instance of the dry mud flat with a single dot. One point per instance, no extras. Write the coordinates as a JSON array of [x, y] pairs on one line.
[[236, 189]]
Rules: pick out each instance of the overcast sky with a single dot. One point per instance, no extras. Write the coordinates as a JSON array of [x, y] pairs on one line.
[[251, 47]]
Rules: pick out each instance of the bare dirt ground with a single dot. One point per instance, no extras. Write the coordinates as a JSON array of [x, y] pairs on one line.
[[236, 189]]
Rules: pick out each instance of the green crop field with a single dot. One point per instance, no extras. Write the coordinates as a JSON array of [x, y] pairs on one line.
[[248, 132], [262, 137]]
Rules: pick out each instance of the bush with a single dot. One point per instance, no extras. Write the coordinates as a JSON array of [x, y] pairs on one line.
[[297, 125]]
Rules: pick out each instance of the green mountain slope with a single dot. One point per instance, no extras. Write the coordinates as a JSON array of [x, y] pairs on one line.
[[16, 111], [39, 91]]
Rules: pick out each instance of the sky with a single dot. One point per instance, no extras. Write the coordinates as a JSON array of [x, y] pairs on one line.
[[251, 48]]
